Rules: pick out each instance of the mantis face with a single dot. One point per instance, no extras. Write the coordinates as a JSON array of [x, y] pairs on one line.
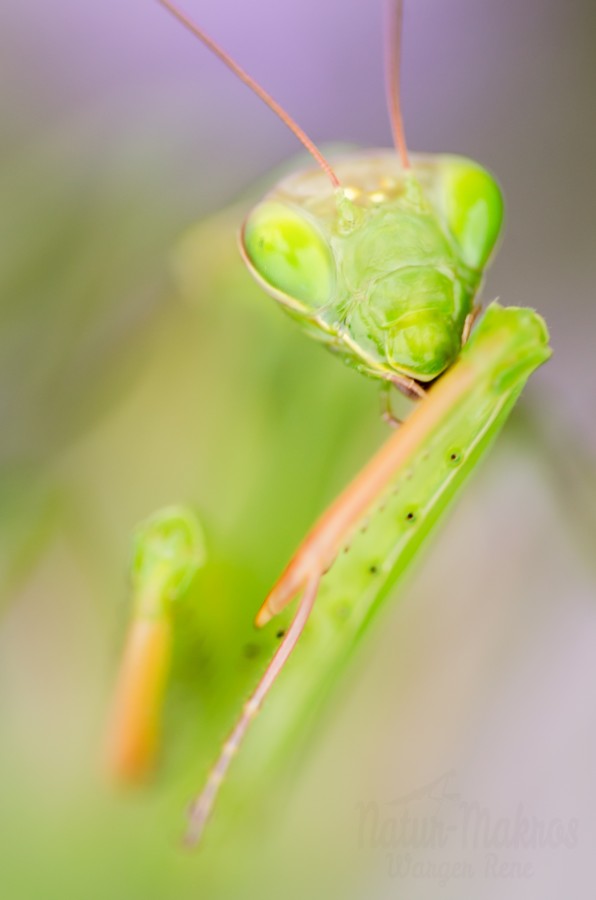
[[384, 270]]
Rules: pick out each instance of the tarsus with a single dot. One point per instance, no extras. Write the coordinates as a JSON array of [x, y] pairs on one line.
[[203, 805]]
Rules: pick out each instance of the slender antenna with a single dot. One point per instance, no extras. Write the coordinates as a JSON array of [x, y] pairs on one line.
[[255, 87], [393, 60], [202, 806]]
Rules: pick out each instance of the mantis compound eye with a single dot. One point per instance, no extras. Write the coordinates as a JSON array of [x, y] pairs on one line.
[[289, 254], [474, 209]]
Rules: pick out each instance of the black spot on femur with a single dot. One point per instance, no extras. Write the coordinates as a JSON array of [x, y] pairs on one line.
[[280, 633], [454, 457], [373, 570], [410, 516]]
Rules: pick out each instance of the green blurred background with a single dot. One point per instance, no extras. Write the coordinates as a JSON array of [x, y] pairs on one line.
[[139, 366]]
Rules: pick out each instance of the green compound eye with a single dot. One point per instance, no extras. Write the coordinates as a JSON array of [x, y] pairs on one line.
[[289, 254], [474, 208]]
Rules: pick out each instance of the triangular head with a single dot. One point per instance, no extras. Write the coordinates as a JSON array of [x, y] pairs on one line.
[[385, 269]]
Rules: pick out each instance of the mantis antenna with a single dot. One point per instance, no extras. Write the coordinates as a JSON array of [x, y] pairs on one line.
[[255, 87], [393, 60]]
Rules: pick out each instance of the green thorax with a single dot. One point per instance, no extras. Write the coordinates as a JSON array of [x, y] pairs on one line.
[[385, 271]]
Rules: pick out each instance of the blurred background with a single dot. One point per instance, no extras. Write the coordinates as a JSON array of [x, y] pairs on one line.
[[140, 368]]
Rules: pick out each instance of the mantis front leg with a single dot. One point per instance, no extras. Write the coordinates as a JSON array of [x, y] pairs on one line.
[[381, 519], [387, 512]]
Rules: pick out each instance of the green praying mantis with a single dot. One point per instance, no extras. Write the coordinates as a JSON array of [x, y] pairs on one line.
[[380, 256]]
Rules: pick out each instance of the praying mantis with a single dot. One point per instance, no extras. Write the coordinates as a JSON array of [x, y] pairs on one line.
[[380, 256]]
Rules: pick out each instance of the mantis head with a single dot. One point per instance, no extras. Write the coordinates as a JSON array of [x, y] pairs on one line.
[[387, 268], [386, 273]]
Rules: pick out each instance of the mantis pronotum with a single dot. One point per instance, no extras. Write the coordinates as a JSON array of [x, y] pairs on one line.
[[380, 256]]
